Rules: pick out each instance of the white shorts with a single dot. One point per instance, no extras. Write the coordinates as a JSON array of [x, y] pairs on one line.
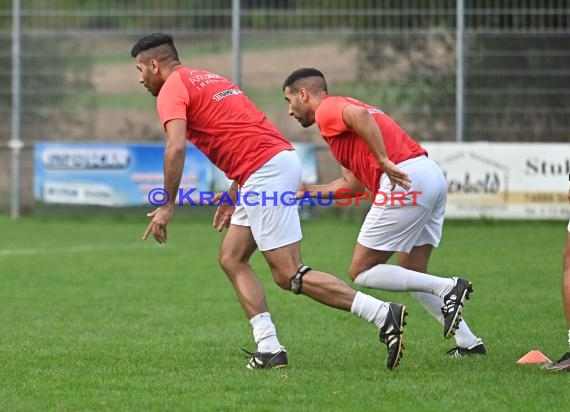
[[569, 226], [269, 208], [399, 227]]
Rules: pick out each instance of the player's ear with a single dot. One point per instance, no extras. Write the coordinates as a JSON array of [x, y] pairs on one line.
[[154, 65], [304, 94]]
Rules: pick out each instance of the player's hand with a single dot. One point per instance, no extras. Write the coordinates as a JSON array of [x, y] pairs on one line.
[[397, 177], [224, 212], [301, 191], [159, 220]]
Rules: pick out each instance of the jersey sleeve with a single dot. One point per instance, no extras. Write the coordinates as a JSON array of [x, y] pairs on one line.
[[173, 100], [329, 116]]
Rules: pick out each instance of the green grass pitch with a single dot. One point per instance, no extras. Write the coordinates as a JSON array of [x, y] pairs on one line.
[[93, 318]]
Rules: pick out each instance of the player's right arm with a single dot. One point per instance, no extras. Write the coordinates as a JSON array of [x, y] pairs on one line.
[[174, 156], [347, 186], [172, 106], [359, 119]]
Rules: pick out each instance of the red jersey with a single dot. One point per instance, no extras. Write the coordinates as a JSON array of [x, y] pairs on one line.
[[221, 121], [351, 151]]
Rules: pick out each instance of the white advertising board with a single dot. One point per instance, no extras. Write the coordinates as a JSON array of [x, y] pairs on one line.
[[505, 180]]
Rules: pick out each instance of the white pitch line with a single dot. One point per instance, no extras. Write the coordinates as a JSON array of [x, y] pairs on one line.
[[65, 249]]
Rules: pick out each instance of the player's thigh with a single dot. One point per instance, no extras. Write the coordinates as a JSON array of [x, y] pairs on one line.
[[273, 218], [430, 181], [393, 228], [284, 262], [274, 227], [417, 259], [365, 258], [237, 247]]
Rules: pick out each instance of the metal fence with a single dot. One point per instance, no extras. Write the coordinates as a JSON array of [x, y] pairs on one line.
[[79, 83]]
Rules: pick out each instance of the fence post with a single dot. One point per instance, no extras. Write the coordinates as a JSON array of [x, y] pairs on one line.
[[460, 74], [16, 143], [236, 42]]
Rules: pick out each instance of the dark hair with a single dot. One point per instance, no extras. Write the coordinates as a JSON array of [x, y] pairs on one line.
[[153, 40], [302, 74]]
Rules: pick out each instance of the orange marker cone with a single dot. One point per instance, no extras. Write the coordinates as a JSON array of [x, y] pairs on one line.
[[534, 356]]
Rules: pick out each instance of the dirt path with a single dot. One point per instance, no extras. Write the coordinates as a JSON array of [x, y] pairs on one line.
[[263, 69], [260, 68]]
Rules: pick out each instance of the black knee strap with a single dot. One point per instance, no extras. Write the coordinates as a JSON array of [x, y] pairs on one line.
[[297, 280]]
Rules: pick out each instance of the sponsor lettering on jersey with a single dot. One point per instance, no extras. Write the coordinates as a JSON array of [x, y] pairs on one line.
[[230, 92]]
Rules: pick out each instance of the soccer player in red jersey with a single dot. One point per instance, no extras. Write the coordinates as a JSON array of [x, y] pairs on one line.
[[216, 116], [367, 143], [563, 364]]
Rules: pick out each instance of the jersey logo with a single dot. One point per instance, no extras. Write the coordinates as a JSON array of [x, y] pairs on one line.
[[230, 92], [201, 79]]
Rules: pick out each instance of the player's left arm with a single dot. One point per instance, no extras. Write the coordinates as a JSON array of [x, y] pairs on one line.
[[174, 156], [358, 119], [225, 209]]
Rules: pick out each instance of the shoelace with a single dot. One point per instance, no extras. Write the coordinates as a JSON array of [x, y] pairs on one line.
[[248, 352], [253, 361]]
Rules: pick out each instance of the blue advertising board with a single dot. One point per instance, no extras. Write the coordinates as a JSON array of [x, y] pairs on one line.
[[123, 174], [109, 174]]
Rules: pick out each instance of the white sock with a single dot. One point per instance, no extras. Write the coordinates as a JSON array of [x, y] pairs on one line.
[[569, 337], [464, 338], [369, 308], [264, 333], [398, 279]]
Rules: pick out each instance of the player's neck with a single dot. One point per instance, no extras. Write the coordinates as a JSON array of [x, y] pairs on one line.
[[318, 98], [171, 68]]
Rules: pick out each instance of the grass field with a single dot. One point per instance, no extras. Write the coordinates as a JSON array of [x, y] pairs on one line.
[[93, 318]]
